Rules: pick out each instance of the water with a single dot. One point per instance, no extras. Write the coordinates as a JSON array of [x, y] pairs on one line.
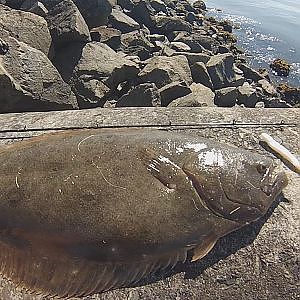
[[267, 30]]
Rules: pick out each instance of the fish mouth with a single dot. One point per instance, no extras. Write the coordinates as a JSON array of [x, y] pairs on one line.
[[274, 181]]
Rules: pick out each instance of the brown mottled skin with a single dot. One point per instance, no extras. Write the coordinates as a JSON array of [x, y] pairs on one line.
[[90, 210]]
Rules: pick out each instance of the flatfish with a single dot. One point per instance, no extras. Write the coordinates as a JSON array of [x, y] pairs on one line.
[[87, 211]]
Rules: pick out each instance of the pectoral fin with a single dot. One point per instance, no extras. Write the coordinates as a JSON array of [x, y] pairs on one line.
[[204, 248], [164, 169]]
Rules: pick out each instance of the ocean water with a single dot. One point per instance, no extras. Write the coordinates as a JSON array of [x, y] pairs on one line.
[[266, 30]]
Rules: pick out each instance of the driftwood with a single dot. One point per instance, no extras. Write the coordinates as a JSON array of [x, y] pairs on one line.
[[260, 261]]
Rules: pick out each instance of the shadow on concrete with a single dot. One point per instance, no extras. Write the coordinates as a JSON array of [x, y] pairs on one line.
[[226, 246]]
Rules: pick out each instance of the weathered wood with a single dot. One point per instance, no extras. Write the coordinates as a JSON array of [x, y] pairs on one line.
[[260, 261]]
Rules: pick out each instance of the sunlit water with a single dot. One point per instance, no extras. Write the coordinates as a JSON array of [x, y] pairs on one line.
[[267, 30]]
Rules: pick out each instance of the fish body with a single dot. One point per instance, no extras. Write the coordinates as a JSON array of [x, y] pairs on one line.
[[87, 211]]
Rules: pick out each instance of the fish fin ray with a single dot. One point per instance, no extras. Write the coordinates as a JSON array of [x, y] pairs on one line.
[[164, 169], [63, 276], [204, 248]]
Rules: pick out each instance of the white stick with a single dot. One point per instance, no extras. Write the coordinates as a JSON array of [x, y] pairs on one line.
[[281, 150]]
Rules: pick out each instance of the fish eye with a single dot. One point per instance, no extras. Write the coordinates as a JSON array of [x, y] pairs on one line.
[[261, 168]]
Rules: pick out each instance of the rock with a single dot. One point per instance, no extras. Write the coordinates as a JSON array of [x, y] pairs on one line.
[[126, 4], [166, 24], [95, 12], [179, 46], [267, 87], [247, 95], [122, 22], [66, 23], [172, 91], [200, 96], [135, 43], [220, 69], [158, 6], [29, 81], [194, 57], [107, 35], [145, 94], [143, 13], [104, 64], [280, 67], [35, 7], [250, 73], [163, 70], [13, 3], [16, 23], [226, 97], [157, 37], [290, 94], [200, 74], [199, 5], [90, 92], [196, 42], [277, 103]]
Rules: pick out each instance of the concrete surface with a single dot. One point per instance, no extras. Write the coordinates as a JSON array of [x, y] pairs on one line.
[[260, 261]]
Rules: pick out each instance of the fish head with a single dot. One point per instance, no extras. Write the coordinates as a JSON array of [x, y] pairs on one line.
[[235, 184]]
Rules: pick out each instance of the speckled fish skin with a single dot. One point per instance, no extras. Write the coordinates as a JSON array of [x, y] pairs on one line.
[[87, 211]]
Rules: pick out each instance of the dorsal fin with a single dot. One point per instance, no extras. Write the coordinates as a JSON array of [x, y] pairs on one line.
[[66, 277]]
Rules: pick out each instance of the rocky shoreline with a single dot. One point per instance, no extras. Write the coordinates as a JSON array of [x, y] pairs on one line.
[[64, 54]]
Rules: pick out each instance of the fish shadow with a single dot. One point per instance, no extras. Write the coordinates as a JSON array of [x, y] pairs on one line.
[[225, 247]]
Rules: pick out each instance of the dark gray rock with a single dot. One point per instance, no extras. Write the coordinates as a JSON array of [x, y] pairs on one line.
[[200, 74], [166, 24], [172, 91], [26, 27], [158, 6], [221, 71], [135, 43], [90, 92], [29, 81], [35, 7], [226, 97], [163, 70], [143, 13], [199, 5], [66, 23], [200, 96], [122, 22], [145, 94], [95, 12], [250, 73], [107, 35], [247, 95], [194, 57]]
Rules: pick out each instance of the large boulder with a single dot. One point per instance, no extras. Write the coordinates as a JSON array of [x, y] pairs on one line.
[[95, 12], [163, 70], [35, 7], [200, 74], [107, 35], [26, 27], [247, 95], [166, 24], [65, 22], [94, 69], [29, 81], [200, 96], [135, 43], [226, 97], [194, 57], [221, 70], [122, 22], [172, 91], [145, 94]]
